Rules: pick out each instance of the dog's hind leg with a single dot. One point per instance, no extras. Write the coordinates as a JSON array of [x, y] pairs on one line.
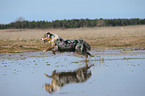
[[90, 54], [86, 56], [87, 66]]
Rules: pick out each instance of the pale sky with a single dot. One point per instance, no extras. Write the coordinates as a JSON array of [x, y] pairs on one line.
[[49, 10]]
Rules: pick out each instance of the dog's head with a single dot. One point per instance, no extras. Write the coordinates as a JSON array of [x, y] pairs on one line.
[[48, 88], [52, 87], [50, 37], [47, 37]]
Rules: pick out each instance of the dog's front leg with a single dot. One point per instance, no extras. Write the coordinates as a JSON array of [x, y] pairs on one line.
[[53, 51], [48, 49], [47, 76], [53, 48]]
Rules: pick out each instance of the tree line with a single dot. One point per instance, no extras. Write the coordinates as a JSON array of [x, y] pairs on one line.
[[73, 23]]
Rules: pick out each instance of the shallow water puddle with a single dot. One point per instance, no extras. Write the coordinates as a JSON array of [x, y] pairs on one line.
[[111, 72]]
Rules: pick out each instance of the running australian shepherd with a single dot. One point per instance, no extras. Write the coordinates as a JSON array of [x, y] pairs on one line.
[[61, 45]]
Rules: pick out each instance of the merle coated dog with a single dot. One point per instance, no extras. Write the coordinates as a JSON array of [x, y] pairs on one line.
[[61, 45]]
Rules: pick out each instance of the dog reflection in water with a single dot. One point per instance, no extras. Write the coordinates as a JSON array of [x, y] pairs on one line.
[[59, 79]]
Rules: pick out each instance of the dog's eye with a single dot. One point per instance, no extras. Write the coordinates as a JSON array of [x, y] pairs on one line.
[[45, 35]]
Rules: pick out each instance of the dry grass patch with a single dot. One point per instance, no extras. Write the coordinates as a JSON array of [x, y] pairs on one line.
[[21, 40]]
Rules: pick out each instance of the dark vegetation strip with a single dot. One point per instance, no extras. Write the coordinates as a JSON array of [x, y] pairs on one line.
[[73, 23]]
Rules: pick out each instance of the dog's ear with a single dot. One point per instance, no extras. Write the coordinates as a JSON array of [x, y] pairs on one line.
[[49, 34]]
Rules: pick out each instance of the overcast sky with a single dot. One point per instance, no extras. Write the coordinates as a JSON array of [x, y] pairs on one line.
[[49, 10]]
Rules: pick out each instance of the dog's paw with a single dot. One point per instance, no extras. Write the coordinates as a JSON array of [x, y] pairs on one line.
[[44, 50], [92, 55], [53, 52]]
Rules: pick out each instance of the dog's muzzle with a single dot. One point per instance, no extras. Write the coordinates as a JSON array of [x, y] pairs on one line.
[[42, 39]]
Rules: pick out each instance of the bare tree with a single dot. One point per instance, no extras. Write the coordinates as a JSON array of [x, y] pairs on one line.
[[20, 19]]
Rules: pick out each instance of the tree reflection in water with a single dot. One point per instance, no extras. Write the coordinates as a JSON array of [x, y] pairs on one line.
[[59, 79]]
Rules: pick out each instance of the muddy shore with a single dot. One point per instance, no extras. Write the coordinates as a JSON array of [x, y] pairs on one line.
[[27, 40]]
